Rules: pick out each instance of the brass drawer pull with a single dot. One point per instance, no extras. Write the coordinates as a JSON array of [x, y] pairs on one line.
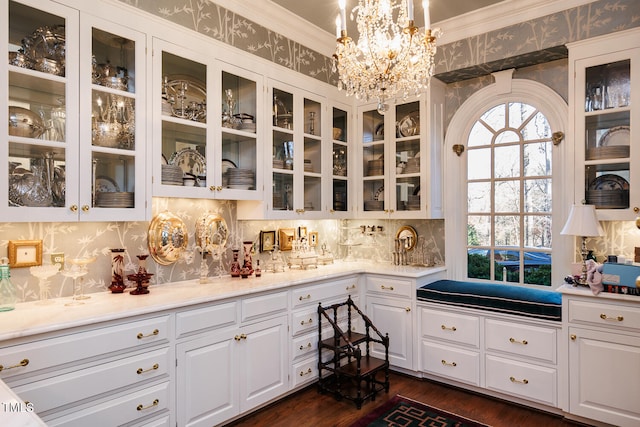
[[153, 368], [141, 335], [303, 297], [23, 362], [303, 373], [141, 407], [240, 337], [523, 381], [348, 288], [515, 341], [386, 288], [308, 322], [615, 319], [445, 363], [447, 328], [302, 347], [407, 309]]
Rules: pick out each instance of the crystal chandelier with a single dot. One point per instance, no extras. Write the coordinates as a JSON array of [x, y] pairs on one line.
[[390, 59]]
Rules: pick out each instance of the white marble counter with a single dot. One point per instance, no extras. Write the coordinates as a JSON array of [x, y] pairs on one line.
[[34, 318]]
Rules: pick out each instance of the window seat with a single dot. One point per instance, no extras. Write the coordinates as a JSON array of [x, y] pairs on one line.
[[501, 298]]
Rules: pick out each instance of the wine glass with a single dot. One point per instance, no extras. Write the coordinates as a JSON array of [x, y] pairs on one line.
[[77, 270], [43, 273]]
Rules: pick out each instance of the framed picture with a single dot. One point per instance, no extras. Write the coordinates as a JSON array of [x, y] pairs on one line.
[[267, 240], [302, 232], [25, 253], [313, 238], [286, 237]]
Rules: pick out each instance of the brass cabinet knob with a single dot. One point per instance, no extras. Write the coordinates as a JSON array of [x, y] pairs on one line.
[[85, 208], [73, 208], [573, 337]]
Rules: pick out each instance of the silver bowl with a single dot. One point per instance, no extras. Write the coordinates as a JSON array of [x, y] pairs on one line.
[[25, 123], [19, 59], [50, 66], [107, 134]]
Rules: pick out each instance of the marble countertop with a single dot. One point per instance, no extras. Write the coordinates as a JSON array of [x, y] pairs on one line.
[[35, 317]]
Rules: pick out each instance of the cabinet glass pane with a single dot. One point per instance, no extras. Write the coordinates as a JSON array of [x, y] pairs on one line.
[[184, 146], [607, 136], [238, 161], [312, 117], [340, 125], [607, 185], [114, 180], [36, 176], [312, 193], [340, 195], [312, 155], [408, 194], [282, 109], [373, 195], [608, 86], [282, 150], [113, 122], [282, 191], [407, 159], [184, 89], [113, 61], [372, 126], [340, 162], [373, 158], [239, 105]]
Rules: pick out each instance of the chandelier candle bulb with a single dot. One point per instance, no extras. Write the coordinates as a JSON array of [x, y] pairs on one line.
[[343, 14], [427, 17], [338, 26], [410, 9]]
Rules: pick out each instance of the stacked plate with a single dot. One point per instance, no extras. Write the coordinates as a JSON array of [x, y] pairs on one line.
[[413, 204], [375, 167], [240, 179], [413, 165], [308, 166], [171, 175], [373, 205], [120, 199]]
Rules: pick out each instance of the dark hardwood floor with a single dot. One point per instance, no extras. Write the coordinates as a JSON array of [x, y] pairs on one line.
[[309, 408]]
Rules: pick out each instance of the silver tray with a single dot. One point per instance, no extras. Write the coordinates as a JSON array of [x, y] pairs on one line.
[[167, 238]]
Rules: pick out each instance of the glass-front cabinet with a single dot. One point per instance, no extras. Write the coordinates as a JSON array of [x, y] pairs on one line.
[[399, 158], [338, 196], [604, 94], [72, 102], [206, 138]]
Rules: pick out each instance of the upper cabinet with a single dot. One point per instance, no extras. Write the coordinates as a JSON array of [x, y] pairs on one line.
[[604, 91], [74, 150], [206, 135], [399, 158]]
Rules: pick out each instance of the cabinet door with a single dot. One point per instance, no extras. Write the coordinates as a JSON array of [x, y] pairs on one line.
[[263, 373], [207, 381], [393, 317], [40, 92], [372, 158], [112, 128], [338, 192], [604, 368]]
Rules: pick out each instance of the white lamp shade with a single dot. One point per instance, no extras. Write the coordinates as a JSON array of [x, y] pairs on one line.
[[583, 222]]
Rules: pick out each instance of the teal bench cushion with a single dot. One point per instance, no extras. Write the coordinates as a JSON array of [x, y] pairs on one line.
[[502, 298]]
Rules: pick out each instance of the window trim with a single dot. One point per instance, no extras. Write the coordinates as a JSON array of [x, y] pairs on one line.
[[504, 90]]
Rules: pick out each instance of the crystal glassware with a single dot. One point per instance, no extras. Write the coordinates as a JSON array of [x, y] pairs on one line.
[[43, 273]]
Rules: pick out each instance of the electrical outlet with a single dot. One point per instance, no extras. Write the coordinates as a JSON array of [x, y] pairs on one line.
[[58, 259]]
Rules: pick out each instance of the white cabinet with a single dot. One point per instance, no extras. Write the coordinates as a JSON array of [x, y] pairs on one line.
[[76, 143], [227, 366], [605, 98], [208, 125], [603, 336], [399, 158]]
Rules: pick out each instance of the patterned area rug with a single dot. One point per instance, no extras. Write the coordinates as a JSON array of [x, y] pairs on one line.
[[401, 411]]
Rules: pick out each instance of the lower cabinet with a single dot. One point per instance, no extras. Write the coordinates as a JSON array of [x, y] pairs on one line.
[[394, 317]]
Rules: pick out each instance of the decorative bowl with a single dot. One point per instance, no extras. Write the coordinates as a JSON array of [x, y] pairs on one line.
[[25, 123]]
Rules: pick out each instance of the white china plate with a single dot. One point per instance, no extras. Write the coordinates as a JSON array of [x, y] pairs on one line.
[[379, 196], [227, 164], [409, 125], [104, 184], [190, 161], [619, 135]]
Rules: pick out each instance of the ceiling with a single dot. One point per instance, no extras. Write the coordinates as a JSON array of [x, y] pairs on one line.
[[322, 13]]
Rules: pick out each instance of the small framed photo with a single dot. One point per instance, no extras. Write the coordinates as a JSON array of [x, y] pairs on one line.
[[313, 238], [286, 236], [267, 240], [25, 253], [302, 232]]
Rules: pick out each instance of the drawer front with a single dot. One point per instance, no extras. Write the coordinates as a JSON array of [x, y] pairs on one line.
[[119, 410], [528, 381], [305, 345], [304, 321], [51, 352], [444, 325], [325, 291], [461, 365], [61, 390], [616, 315], [536, 342], [190, 321], [305, 372], [390, 286], [164, 421], [263, 305]]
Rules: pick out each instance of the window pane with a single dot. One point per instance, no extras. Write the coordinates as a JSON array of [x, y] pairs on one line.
[[507, 161], [479, 135], [507, 136], [507, 196], [507, 262], [495, 117], [479, 197], [537, 268], [537, 158], [537, 233], [478, 264], [479, 230], [518, 113], [537, 195], [479, 164], [537, 128], [507, 230]]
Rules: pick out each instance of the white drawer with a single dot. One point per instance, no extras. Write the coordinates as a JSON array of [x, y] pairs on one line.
[[325, 291], [119, 410], [444, 325], [263, 305], [164, 421], [198, 319], [305, 345], [617, 315], [459, 364], [304, 321], [536, 342], [528, 381], [52, 352], [390, 286], [60, 390], [305, 372]]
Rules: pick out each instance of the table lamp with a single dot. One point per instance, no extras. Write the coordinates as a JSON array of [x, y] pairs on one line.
[[582, 222]]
